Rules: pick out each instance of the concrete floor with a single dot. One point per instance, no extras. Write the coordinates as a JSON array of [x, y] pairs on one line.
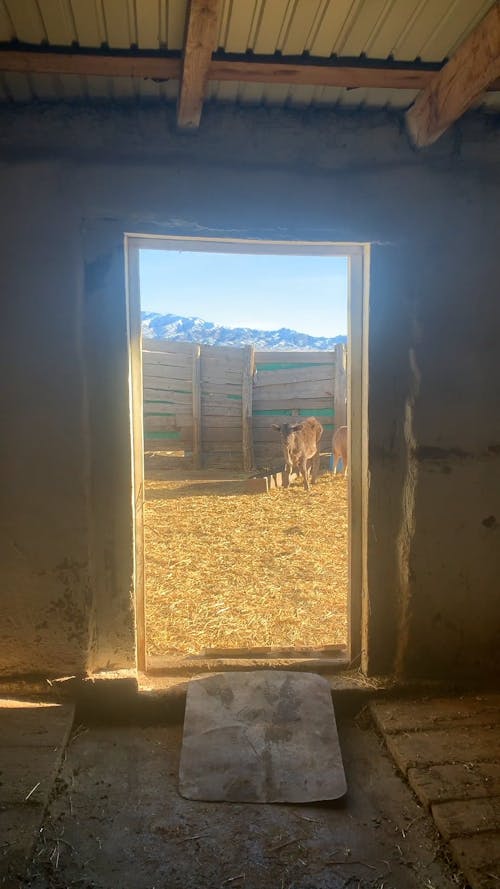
[[116, 821]]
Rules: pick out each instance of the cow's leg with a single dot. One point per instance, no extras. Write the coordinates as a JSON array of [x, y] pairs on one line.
[[303, 471], [335, 463], [315, 462]]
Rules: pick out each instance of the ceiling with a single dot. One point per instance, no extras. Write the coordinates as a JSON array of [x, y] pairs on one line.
[[418, 32]]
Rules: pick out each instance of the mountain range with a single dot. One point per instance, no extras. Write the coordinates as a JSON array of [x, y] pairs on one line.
[[195, 330]]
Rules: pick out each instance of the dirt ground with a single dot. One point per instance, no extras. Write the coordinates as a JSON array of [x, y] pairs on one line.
[[229, 570], [117, 821]]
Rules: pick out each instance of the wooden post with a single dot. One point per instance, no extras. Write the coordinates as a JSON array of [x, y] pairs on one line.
[[246, 407], [196, 407], [340, 387]]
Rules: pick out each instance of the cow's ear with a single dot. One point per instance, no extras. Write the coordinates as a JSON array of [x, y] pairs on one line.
[[275, 426]]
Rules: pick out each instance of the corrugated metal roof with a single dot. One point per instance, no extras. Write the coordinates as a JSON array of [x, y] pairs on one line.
[[399, 30]]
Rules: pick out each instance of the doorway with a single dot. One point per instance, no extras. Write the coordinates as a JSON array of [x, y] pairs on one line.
[[221, 574]]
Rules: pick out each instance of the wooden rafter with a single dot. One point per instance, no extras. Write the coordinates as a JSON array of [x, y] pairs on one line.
[[200, 43], [160, 68], [92, 64], [473, 68]]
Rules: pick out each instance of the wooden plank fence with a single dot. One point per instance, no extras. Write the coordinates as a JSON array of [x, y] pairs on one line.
[[217, 404]]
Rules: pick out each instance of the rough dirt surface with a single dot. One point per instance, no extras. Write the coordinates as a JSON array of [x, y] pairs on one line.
[[228, 569], [117, 821]]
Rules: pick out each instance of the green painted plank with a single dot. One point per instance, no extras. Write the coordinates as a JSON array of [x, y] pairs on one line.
[[282, 413], [291, 365], [320, 412], [157, 414], [162, 435], [234, 397]]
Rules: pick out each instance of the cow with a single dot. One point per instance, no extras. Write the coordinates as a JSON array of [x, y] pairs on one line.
[[339, 447], [300, 442]]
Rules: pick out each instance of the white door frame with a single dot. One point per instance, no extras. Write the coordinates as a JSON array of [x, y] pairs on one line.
[[357, 373]]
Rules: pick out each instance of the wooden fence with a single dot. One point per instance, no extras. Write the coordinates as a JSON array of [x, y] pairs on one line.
[[217, 404]]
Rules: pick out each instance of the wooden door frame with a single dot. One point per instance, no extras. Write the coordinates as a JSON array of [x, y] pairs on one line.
[[357, 373]]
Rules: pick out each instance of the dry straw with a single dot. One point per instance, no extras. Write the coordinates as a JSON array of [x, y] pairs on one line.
[[227, 569]]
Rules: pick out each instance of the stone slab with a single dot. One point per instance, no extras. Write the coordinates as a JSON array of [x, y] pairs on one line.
[[19, 828], [467, 816], [455, 745], [436, 713], [33, 723], [455, 781], [33, 735], [478, 857], [261, 736]]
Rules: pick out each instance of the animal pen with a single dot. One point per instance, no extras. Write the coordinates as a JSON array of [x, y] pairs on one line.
[[228, 574], [216, 404]]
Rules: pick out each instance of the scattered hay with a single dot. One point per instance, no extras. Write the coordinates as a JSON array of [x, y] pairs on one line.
[[227, 569]]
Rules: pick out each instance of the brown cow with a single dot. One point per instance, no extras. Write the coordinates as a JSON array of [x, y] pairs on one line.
[[300, 443], [339, 447]]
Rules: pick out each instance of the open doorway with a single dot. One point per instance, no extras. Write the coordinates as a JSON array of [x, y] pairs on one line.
[[231, 564]]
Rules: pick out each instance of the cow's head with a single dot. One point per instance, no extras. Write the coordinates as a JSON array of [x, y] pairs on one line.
[[285, 429]]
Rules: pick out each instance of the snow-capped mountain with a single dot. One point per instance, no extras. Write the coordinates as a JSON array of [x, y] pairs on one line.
[[194, 330]]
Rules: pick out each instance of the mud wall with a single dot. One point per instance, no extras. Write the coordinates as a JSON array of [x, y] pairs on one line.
[[73, 180]]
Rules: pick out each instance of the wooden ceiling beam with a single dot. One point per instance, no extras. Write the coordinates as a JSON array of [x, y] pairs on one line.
[[200, 43], [305, 74], [159, 68], [91, 64], [471, 71]]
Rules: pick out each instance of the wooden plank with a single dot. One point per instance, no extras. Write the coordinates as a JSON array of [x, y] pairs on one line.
[[90, 64], [466, 817], [222, 434], [230, 357], [177, 410], [294, 375], [453, 90], [292, 404], [163, 444], [282, 391], [228, 420], [166, 360], [340, 386], [222, 379], [216, 390], [219, 410], [200, 43], [174, 398], [338, 75], [164, 384], [437, 747], [180, 375], [166, 356], [196, 387], [455, 781], [232, 353], [436, 713], [166, 424], [157, 407], [246, 408], [327, 358], [167, 346], [160, 67], [224, 448], [478, 858]]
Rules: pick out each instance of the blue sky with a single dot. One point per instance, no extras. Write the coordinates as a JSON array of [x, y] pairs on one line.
[[304, 293]]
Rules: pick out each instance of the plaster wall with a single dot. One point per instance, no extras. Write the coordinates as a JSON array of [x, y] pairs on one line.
[[73, 180]]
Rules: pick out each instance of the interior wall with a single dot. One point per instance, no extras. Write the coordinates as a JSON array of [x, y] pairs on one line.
[[73, 180]]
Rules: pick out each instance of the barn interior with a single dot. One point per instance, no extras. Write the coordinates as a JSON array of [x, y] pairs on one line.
[[369, 123]]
